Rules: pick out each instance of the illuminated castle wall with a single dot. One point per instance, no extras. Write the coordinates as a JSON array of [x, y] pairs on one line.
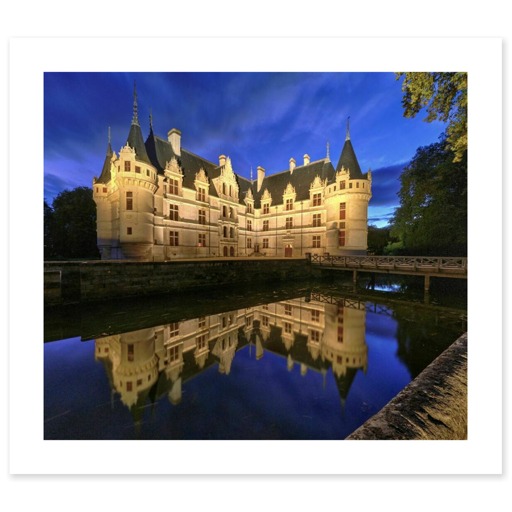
[[157, 201]]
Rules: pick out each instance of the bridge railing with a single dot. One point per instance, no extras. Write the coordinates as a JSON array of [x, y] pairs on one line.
[[445, 264]]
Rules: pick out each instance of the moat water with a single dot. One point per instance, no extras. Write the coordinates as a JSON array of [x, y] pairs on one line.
[[306, 362]]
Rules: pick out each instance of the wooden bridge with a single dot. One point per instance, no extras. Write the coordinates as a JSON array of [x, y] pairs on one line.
[[425, 266]]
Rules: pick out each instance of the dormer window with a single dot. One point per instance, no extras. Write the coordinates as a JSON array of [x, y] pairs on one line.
[[289, 204], [266, 209], [317, 199]]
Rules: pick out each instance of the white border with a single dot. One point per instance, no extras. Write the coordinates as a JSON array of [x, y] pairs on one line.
[[31, 57]]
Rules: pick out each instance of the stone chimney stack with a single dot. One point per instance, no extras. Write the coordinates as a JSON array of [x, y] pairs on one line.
[[222, 160], [306, 159], [174, 137], [292, 164], [261, 177]]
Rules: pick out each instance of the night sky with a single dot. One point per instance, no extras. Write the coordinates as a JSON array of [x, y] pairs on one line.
[[254, 118]]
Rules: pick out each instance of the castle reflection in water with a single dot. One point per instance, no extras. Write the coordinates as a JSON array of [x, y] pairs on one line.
[[148, 364]]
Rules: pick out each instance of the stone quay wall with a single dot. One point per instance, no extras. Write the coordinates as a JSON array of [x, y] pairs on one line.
[[89, 281], [434, 406]]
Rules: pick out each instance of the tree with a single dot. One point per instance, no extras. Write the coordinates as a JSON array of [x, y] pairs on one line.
[[432, 216], [378, 239], [70, 226], [445, 98]]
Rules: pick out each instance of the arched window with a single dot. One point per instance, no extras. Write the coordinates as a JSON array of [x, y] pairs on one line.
[[225, 251], [231, 251], [225, 231]]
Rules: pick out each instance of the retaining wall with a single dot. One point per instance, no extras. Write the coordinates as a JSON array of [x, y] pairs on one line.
[[73, 282], [432, 407]]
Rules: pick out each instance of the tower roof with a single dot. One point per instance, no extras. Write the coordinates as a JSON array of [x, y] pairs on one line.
[[105, 172], [135, 139], [348, 158]]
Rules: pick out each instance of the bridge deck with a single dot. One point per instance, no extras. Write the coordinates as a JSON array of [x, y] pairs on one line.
[[410, 265]]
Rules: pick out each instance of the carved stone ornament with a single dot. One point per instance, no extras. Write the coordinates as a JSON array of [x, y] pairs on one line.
[[289, 190], [266, 195], [249, 194], [317, 183], [172, 165], [201, 176]]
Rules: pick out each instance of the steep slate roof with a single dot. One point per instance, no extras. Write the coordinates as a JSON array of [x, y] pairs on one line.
[[136, 141], [105, 172], [301, 179], [348, 160]]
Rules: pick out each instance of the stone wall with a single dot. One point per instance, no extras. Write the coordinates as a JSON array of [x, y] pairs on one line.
[[101, 280], [432, 407]]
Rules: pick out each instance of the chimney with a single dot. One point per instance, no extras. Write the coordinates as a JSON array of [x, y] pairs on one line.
[[261, 177], [174, 137], [306, 159], [292, 164], [222, 160]]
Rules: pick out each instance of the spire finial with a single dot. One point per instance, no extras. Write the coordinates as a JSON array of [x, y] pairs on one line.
[[109, 137], [151, 119], [251, 172], [348, 129], [135, 119], [328, 157]]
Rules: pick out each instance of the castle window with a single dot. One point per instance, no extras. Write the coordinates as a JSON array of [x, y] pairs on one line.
[[315, 336], [128, 231], [265, 243], [357, 184], [249, 225], [266, 209], [289, 204], [317, 199], [174, 329], [265, 225], [317, 220], [201, 194], [315, 315], [316, 241], [350, 185], [343, 211], [137, 169], [231, 233], [201, 240], [127, 166], [264, 321], [342, 225], [249, 243], [105, 189], [341, 238], [173, 186], [224, 188], [201, 322], [225, 231], [139, 382], [202, 217], [288, 309], [174, 238], [131, 352], [129, 385], [201, 341], [173, 212], [174, 353], [249, 208], [231, 213], [289, 222], [340, 333], [129, 200], [287, 328], [343, 184]]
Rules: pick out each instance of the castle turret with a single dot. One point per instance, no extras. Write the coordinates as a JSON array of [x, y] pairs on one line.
[[347, 207]]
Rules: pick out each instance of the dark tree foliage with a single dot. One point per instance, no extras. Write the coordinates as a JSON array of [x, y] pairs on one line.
[[432, 216], [70, 226], [444, 96], [378, 239]]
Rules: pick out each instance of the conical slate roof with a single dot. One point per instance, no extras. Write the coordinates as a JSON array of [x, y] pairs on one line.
[[348, 160], [105, 172]]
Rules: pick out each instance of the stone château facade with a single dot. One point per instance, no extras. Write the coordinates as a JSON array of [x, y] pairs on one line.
[[157, 201]]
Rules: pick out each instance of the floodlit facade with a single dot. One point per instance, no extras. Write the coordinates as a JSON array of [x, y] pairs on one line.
[[157, 201]]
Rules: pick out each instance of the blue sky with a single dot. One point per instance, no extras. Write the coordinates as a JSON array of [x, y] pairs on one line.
[[254, 118]]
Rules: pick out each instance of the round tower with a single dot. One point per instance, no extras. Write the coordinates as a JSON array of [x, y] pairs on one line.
[[347, 205]]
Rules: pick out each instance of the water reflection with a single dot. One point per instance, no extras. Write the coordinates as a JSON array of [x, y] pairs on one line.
[[238, 360]]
